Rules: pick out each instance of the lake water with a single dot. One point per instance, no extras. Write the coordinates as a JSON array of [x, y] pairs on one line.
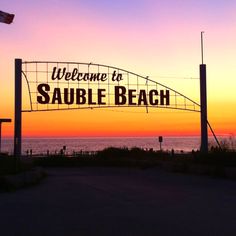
[[54, 145]]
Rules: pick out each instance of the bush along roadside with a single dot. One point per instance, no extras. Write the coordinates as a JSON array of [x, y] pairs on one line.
[[15, 173], [216, 163]]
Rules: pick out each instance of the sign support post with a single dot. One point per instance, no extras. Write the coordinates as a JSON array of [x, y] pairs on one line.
[[203, 94], [18, 108], [203, 103]]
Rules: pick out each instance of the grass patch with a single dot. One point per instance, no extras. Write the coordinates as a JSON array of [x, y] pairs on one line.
[[15, 173], [111, 156], [10, 165], [219, 158], [215, 163], [137, 157]]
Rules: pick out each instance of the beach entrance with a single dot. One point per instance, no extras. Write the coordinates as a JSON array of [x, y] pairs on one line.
[[54, 86]]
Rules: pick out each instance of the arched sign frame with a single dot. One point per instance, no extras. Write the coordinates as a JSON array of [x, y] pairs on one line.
[[114, 87]]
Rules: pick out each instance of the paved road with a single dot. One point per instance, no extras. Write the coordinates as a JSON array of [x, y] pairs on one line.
[[120, 201]]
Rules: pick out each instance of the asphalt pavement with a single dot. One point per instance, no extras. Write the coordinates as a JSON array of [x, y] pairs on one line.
[[120, 201]]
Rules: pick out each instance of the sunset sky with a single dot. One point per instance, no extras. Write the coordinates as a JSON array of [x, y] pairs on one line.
[[159, 39]]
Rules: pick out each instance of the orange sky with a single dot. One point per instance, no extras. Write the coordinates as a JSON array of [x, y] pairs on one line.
[[154, 39]]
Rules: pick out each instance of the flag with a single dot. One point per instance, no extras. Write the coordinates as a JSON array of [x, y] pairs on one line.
[[6, 17]]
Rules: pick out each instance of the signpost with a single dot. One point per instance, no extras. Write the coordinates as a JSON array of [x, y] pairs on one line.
[[160, 138], [18, 107], [203, 103]]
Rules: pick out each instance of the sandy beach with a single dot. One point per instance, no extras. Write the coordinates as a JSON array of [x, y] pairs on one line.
[[120, 201]]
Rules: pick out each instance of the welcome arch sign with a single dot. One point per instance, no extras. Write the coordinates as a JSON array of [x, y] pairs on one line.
[[72, 85]]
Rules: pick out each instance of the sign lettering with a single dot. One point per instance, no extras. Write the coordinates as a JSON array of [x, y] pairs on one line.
[[96, 96]]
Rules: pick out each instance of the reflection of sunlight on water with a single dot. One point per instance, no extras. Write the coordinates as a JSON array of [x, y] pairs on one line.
[[41, 145], [54, 145]]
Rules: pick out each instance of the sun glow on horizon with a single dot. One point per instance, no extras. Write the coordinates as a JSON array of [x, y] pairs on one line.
[[159, 39]]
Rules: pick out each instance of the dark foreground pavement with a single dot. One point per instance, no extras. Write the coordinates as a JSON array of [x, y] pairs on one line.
[[120, 201]]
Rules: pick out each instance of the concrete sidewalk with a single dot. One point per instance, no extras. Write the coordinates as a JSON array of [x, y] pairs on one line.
[[120, 201]]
